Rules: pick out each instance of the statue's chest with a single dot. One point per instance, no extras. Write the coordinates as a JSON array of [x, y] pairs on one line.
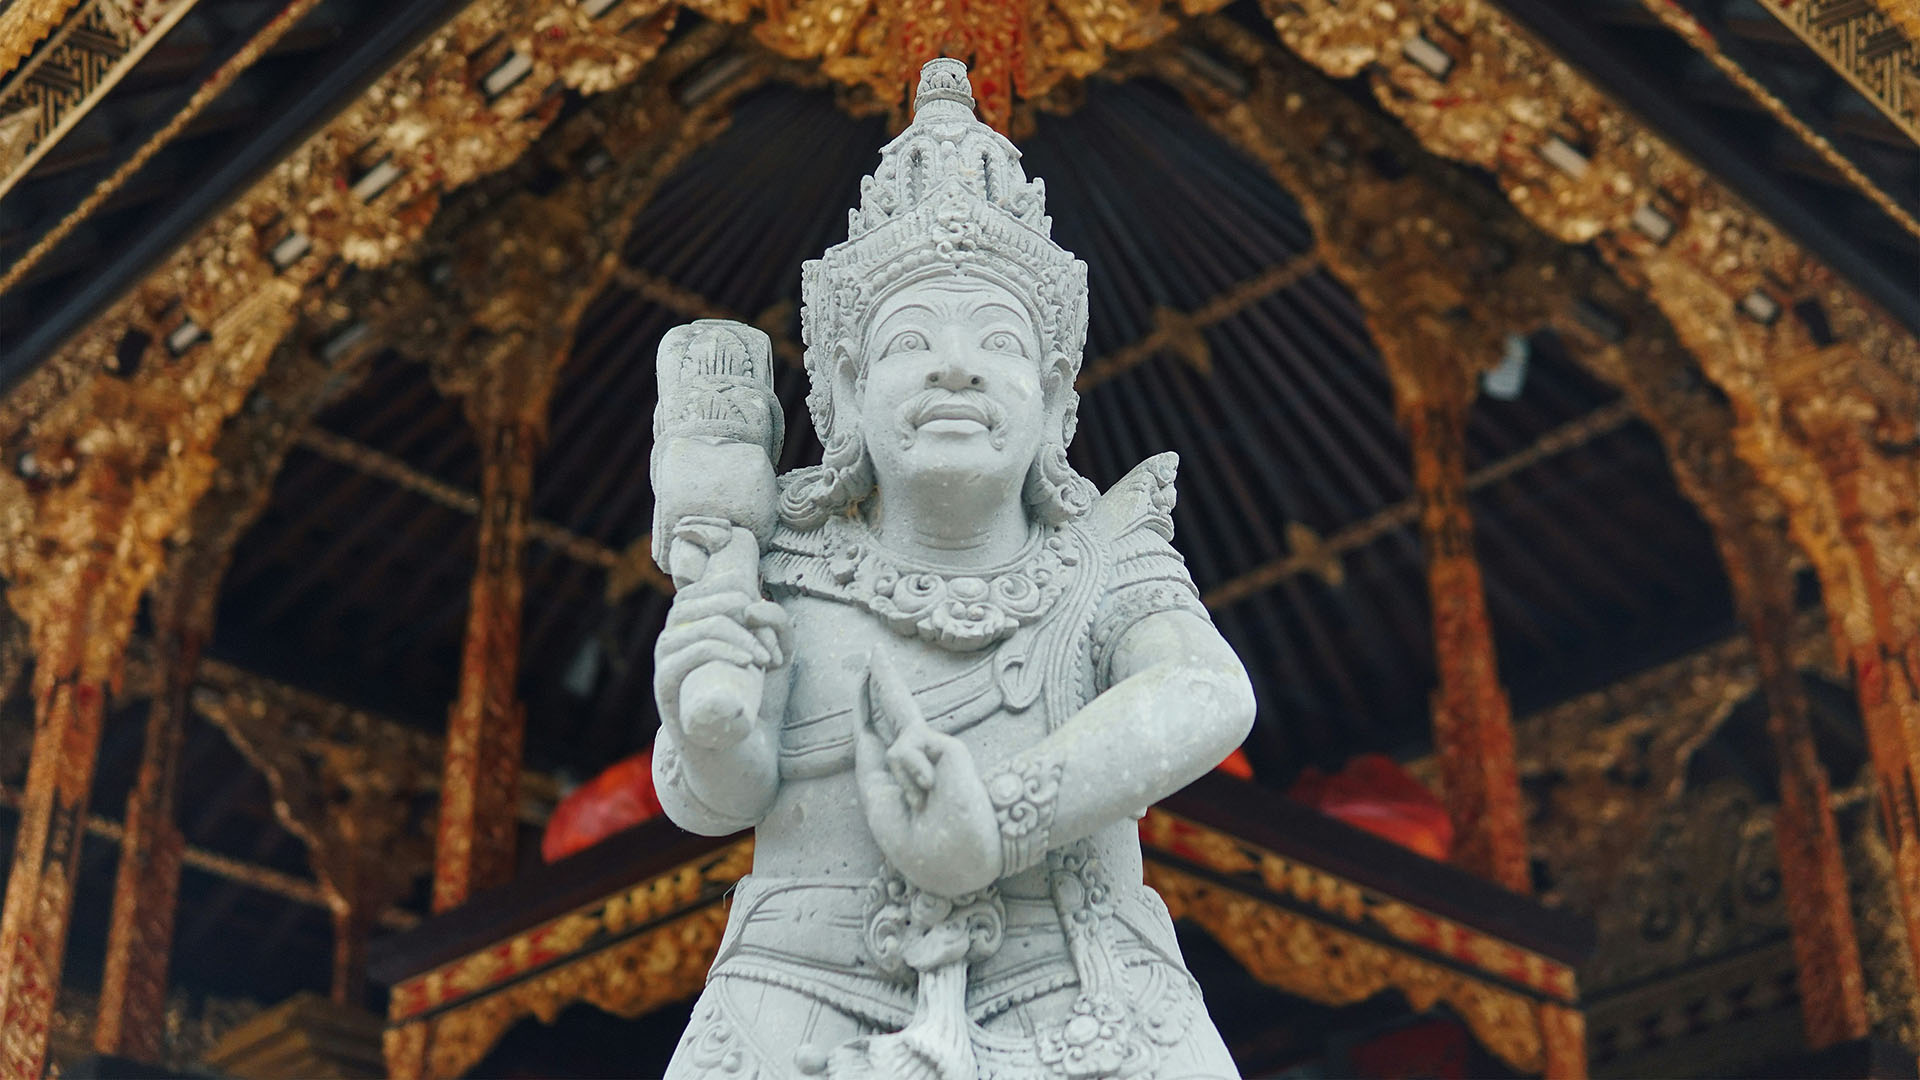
[[962, 694], [997, 661], [998, 700]]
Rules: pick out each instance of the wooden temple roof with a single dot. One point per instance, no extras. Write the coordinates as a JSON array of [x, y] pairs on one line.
[[286, 213]]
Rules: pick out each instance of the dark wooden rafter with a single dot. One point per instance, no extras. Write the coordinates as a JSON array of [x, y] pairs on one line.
[[242, 873]]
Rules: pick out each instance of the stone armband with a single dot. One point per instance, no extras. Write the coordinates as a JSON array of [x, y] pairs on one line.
[[1024, 796]]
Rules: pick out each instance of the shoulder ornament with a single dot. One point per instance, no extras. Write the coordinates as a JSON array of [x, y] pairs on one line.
[[1134, 519]]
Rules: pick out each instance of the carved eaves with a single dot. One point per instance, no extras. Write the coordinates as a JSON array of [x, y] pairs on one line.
[[95, 47], [1875, 46]]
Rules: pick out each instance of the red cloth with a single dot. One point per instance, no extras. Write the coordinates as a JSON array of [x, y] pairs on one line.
[[1237, 765], [619, 798], [1374, 793]]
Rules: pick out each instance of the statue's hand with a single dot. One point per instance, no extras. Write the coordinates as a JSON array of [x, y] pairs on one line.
[[728, 626], [925, 801]]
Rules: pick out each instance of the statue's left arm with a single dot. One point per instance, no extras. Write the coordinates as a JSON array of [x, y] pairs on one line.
[[1176, 701], [1179, 702]]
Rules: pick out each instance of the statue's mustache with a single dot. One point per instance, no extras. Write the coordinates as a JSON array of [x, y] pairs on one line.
[[942, 404]]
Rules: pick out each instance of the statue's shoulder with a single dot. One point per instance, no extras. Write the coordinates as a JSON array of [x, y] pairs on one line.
[[1145, 576], [1137, 512]]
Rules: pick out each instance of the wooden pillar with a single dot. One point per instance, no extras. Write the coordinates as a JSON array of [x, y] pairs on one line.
[[1439, 310], [1472, 722], [248, 456], [133, 993], [79, 626], [1874, 604], [1833, 1000], [1697, 429], [479, 799]]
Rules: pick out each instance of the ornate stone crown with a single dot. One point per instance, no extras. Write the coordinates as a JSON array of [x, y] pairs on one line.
[[949, 198]]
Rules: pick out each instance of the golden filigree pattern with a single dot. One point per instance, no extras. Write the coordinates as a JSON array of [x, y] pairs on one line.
[[25, 25], [1336, 967], [628, 979], [1023, 50], [1355, 905], [589, 928]]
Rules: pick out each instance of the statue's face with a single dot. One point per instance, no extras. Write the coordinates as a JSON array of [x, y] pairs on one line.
[[952, 383]]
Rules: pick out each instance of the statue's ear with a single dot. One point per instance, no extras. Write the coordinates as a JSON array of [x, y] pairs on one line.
[[1069, 412], [848, 385]]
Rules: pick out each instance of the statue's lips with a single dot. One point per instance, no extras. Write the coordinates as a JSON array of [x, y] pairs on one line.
[[953, 410]]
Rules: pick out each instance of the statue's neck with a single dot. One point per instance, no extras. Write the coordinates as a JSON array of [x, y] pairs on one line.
[[946, 529]]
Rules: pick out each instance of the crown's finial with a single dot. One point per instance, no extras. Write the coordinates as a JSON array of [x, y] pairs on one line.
[[944, 90]]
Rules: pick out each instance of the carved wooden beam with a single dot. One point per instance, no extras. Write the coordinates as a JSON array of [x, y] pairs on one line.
[[1872, 46], [95, 46], [352, 790], [133, 990], [1472, 721], [1877, 74]]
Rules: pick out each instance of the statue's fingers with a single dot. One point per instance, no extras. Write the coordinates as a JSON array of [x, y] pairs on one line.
[[880, 786], [952, 761], [776, 654], [691, 606], [909, 757], [905, 787], [767, 615], [891, 693], [713, 628], [670, 671]]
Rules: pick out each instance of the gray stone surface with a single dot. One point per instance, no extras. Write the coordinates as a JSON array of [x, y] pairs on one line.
[[939, 675]]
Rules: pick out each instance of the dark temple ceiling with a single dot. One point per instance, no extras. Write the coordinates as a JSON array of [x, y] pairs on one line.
[[1282, 416]]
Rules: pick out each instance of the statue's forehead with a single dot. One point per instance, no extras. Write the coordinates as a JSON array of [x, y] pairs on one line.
[[951, 297]]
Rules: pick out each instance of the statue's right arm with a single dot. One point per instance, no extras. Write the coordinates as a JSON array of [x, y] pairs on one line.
[[715, 791]]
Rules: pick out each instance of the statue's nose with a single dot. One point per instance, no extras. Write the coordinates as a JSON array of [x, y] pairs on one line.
[[953, 375]]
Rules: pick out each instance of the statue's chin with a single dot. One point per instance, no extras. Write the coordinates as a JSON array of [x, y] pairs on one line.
[[946, 454]]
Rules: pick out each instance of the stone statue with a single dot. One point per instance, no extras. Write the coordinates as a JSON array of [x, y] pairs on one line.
[[968, 676]]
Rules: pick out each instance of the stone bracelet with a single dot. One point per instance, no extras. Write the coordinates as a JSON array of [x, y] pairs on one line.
[[1024, 796]]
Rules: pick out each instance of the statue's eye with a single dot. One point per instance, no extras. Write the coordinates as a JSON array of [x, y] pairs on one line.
[[908, 341], [1005, 341]]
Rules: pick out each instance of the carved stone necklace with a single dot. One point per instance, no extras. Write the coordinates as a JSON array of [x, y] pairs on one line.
[[961, 610]]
